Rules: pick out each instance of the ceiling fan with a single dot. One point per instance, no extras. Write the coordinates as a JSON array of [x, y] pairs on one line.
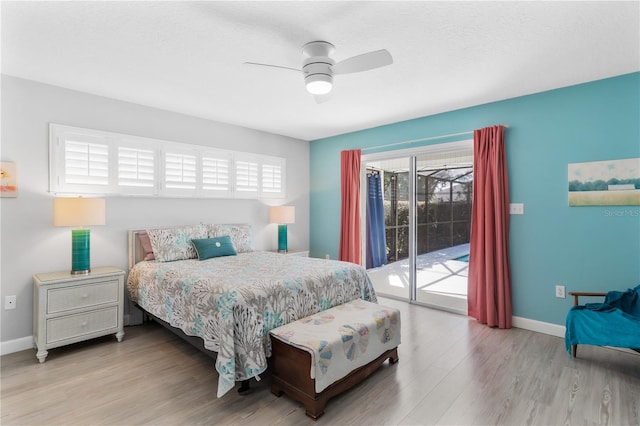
[[318, 68]]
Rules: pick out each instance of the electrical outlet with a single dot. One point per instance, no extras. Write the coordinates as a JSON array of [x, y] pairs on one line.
[[560, 293], [326, 256], [10, 302]]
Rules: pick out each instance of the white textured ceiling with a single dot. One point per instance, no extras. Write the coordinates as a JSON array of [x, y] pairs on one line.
[[188, 56]]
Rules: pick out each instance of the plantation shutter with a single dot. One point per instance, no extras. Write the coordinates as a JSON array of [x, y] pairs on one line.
[[180, 171], [86, 163], [246, 173], [136, 167], [216, 174], [272, 177]]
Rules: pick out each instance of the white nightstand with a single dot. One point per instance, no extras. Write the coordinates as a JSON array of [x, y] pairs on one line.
[[72, 308], [301, 253]]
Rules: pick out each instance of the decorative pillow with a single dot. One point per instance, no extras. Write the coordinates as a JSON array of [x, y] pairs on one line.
[[171, 244], [213, 247], [146, 245], [240, 235]]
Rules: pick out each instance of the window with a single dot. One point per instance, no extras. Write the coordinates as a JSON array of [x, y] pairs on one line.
[[246, 176], [84, 161], [259, 175], [136, 167], [272, 182], [80, 161], [216, 173], [180, 171]]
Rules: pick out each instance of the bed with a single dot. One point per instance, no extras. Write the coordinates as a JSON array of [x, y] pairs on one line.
[[231, 302]]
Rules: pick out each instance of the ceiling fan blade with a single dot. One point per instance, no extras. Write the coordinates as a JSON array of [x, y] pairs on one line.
[[364, 62], [272, 66]]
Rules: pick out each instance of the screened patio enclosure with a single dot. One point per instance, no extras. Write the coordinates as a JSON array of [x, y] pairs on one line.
[[427, 211]]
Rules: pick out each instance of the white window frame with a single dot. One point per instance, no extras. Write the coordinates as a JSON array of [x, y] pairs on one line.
[[224, 188]]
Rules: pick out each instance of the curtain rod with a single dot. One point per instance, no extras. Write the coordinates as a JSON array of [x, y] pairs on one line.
[[450, 135]]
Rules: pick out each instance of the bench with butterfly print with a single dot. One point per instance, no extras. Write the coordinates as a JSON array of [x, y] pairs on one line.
[[318, 357]]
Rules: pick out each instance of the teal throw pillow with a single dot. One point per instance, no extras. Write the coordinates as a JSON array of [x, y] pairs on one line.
[[213, 247]]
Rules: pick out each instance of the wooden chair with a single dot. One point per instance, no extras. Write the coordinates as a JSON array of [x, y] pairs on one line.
[[616, 322], [576, 295]]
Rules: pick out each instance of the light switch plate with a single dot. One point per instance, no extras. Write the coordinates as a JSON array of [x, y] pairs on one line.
[[516, 208]]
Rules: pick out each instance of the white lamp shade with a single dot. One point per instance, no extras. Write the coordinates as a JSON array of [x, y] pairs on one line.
[[78, 211], [282, 214]]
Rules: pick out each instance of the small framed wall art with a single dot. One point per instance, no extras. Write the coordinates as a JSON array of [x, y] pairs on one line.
[[8, 179]]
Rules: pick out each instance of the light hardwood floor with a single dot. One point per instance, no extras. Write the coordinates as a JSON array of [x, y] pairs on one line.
[[452, 370]]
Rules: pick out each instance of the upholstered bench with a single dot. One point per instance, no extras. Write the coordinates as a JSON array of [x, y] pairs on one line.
[[320, 356]]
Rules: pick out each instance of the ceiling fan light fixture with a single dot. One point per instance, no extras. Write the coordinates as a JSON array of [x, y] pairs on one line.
[[319, 84], [318, 68]]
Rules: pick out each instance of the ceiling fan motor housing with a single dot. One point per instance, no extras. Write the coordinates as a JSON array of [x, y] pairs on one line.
[[318, 76], [318, 48], [316, 69]]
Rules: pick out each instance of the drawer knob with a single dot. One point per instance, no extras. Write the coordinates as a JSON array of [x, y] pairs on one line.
[[85, 295], [83, 324]]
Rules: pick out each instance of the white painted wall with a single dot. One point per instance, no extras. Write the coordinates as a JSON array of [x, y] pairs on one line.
[[31, 244]]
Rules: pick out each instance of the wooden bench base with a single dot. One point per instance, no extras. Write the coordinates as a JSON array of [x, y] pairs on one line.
[[290, 375]]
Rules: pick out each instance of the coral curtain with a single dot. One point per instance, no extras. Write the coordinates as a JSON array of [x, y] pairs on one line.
[[376, 239], [489, 292], [350, 210]]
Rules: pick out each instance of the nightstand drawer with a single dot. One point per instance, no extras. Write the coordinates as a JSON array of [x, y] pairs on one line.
[[72, 326], [74, 297]]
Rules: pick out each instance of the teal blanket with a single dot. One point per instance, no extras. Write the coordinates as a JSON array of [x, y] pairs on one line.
[[615, 322]]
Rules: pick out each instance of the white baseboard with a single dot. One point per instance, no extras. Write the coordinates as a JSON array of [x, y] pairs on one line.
[[553, 330], [539, 326], [16, 345]]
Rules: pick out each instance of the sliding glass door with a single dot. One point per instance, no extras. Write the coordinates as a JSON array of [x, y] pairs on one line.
[[427, 196], [392, 277]]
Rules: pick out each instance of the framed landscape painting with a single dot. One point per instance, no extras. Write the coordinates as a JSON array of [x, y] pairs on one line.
[[8, 180], [605, 183]]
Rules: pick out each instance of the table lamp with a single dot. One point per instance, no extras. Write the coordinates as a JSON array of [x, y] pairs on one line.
[[282, 215], [79, 213]]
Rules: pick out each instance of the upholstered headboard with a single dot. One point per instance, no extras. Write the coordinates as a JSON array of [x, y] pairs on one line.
[[136, 253]]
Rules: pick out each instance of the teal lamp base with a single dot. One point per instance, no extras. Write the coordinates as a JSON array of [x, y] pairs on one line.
[[80, 253], [282, 238]]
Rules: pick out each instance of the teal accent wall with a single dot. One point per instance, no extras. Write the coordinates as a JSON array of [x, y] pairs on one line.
[[583, 248]]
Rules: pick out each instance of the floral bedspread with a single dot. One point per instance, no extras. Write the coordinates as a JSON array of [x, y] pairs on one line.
[[233, 302]]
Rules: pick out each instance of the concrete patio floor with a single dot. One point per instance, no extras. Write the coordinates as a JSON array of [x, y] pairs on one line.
[[441, 279]]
